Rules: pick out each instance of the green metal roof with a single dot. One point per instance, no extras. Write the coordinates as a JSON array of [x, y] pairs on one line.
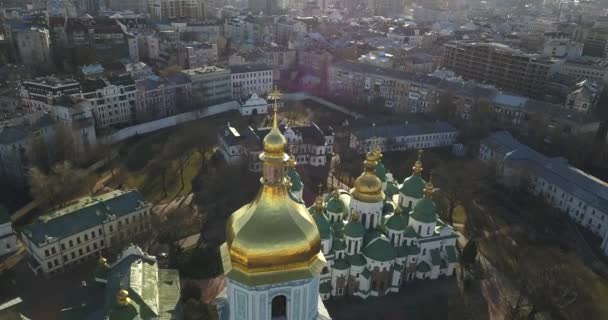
[[451, 253], [402, 251], [380, 249], [381, 171], [413, 186], [443, 264], [338, 245], [388, 207], [365, 273], [325, 287], [437, 238], [4, 217], [341, 264], [296, 181], [83, 214], [370, 236], [396, 222], [335, 205], [391, 189], [413, 250], [338, 228], [354, 230], [322, 224], [424, 211], [356, 260], [410, 232], [423, 267], [435, 257]]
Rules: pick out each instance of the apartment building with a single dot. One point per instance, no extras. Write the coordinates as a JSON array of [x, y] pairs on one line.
[[595, 69], [399, 137], [210, 85], [40, 93], [583, 197], [498, 64], [584, 97], [82, 230], [112, 100], [190, 10], [196, 54], [251, 78], [162, 97], [397, 90], [33, 46], [8, 237], [310, 145]]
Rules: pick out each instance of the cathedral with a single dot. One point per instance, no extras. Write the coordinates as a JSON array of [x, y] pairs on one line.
[[281, 259]]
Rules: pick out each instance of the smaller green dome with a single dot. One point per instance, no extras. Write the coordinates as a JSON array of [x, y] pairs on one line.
[[354, 230], [357, 260], [338, 245], [388, 207], [335, 205], [380, 249], [424, 211], [396, 222], [338, 228], [322, 224], [391, 189], [413, 186], [371, 235], [381, 171], [341, 265]]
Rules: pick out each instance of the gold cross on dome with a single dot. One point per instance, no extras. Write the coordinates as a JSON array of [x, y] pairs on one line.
[[274, 96]]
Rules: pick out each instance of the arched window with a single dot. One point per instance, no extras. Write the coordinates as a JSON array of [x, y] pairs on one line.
[[419, 229], [279, 308], [363, 219]]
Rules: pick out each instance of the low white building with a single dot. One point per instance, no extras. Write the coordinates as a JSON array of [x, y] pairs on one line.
[[8, 238], [71, 235], [247, 79], [254, 105], [584, 198], [405, 136]]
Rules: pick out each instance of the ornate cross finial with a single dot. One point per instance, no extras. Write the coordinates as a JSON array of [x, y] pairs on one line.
[[320, 186], [274, 96], [420, 152]]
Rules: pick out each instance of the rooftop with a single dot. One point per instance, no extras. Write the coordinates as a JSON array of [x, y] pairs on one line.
[[249, 68], [403, 130], [202, 70]]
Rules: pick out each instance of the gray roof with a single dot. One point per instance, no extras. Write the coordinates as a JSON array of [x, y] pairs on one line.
[[83, 214], [249, 68], [384, 72], [556, 171], [403, 130]]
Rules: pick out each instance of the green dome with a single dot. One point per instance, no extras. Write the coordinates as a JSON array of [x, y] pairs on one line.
[[296, 181], [391, 189], [380, 249], [322, 225], [338, 245], [402, 251], [424, 211], [341, 265], [357, 260], [338, 228], [325, 287], [354, 230], [335, 205], [381, 171], [370, 236], [396, 222], [413, 186], [388, 207], [410, 232], [423, 267]]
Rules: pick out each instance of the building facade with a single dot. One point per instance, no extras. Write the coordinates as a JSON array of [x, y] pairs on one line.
[[582, 197], [210, 84], [69, 236], [8, 237], [33, 46], [113, 100], [40, 94], [247, 79]]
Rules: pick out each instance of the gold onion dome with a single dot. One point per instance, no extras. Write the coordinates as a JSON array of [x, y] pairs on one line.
[[368, 187], [122, 297], [272, 239]]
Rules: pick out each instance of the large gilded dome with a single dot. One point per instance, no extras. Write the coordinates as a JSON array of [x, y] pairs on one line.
[[368, 187], [272, 239]]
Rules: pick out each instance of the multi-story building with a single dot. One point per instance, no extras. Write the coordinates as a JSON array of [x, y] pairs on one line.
[[162, 97], [596, 43], [392, 137], [498, 64], [71, 235], [8, 237], [595, 69], [196, 55], [584, 97], [286, 27], [268, 7], [189, 10], [40, 93], [17, 138], [210, 85], [277, 57], [398, 90], [33, 46], [310, 145], [113, 100], [378, 58], [584, 198], [137, 6], [250, 78]]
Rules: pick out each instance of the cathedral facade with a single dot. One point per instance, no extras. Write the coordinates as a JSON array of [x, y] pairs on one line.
[[382, 234]]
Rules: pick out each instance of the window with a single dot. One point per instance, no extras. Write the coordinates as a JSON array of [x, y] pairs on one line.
[[56, 262], [53, 251], [111, 228], [63, 246], [65, 258], [46, 253], [80, 252], [73, 255], [50, 265], [86, 237], [88, 249], [78, 240]]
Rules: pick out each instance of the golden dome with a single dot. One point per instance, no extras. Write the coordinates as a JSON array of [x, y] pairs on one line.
[[122, 297], [368, 187], [272, 239]]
